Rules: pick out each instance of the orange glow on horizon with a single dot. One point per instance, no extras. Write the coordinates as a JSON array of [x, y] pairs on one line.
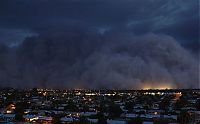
[[157, 86]]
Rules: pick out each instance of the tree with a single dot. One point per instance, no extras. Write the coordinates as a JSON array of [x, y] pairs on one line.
[[182, 102], [102, 108], [184, 117], [129, 106], [19, 111], [161, 121], [85, 108], [56, 120], [164, 104], [137, 120], [34, 92], [101, 118], [114, 110], [72, 106], [197, 104], [83, 120]]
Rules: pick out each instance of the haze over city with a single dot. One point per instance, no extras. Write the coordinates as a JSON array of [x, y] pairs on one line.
[[99, 44]]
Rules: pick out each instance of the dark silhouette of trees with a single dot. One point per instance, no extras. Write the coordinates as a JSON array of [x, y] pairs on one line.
[[161, 121], [182, 102], [164, 104], [197, 104], [129, 106], [102, 108], [137, 120], [83, 120], [85, 108], [184, 117], [114, 110], [19, 111], [101, 118], [34, 92], [56, 120], [72, 106]]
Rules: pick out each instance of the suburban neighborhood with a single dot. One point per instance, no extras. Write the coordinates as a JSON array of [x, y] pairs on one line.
[[78, 106]]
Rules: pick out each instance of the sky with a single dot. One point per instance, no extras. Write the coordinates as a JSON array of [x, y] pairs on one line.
[[99, 44]]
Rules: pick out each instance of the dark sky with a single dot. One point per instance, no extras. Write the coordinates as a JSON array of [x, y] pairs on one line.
[[33, 32], [21, 18]]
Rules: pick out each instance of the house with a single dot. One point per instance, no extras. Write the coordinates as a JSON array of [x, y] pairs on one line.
[[93, 120], [45, 119], [68, 120], [30, 118], [116, 121], [9, 117], [88, 113]]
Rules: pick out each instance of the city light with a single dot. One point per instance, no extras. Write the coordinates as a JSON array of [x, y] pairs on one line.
[[159, 86]]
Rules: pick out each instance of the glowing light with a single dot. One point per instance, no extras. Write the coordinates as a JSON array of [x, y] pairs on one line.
[[45, 94], [8, 111], [79, 93], [90, 94], [150, 93], [26, 112], [148, 86], [32, 119], [109, 94], [12, 106], [178, 95]]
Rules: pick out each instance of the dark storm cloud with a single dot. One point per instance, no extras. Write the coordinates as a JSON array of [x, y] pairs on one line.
[[140, 16], [99, 43], [13, 37], [80, 60]]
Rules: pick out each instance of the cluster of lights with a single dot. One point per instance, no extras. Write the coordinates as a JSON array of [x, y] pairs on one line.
[[34, 119], [8, 111], [148, 86], [90, 94], [152, 93]]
